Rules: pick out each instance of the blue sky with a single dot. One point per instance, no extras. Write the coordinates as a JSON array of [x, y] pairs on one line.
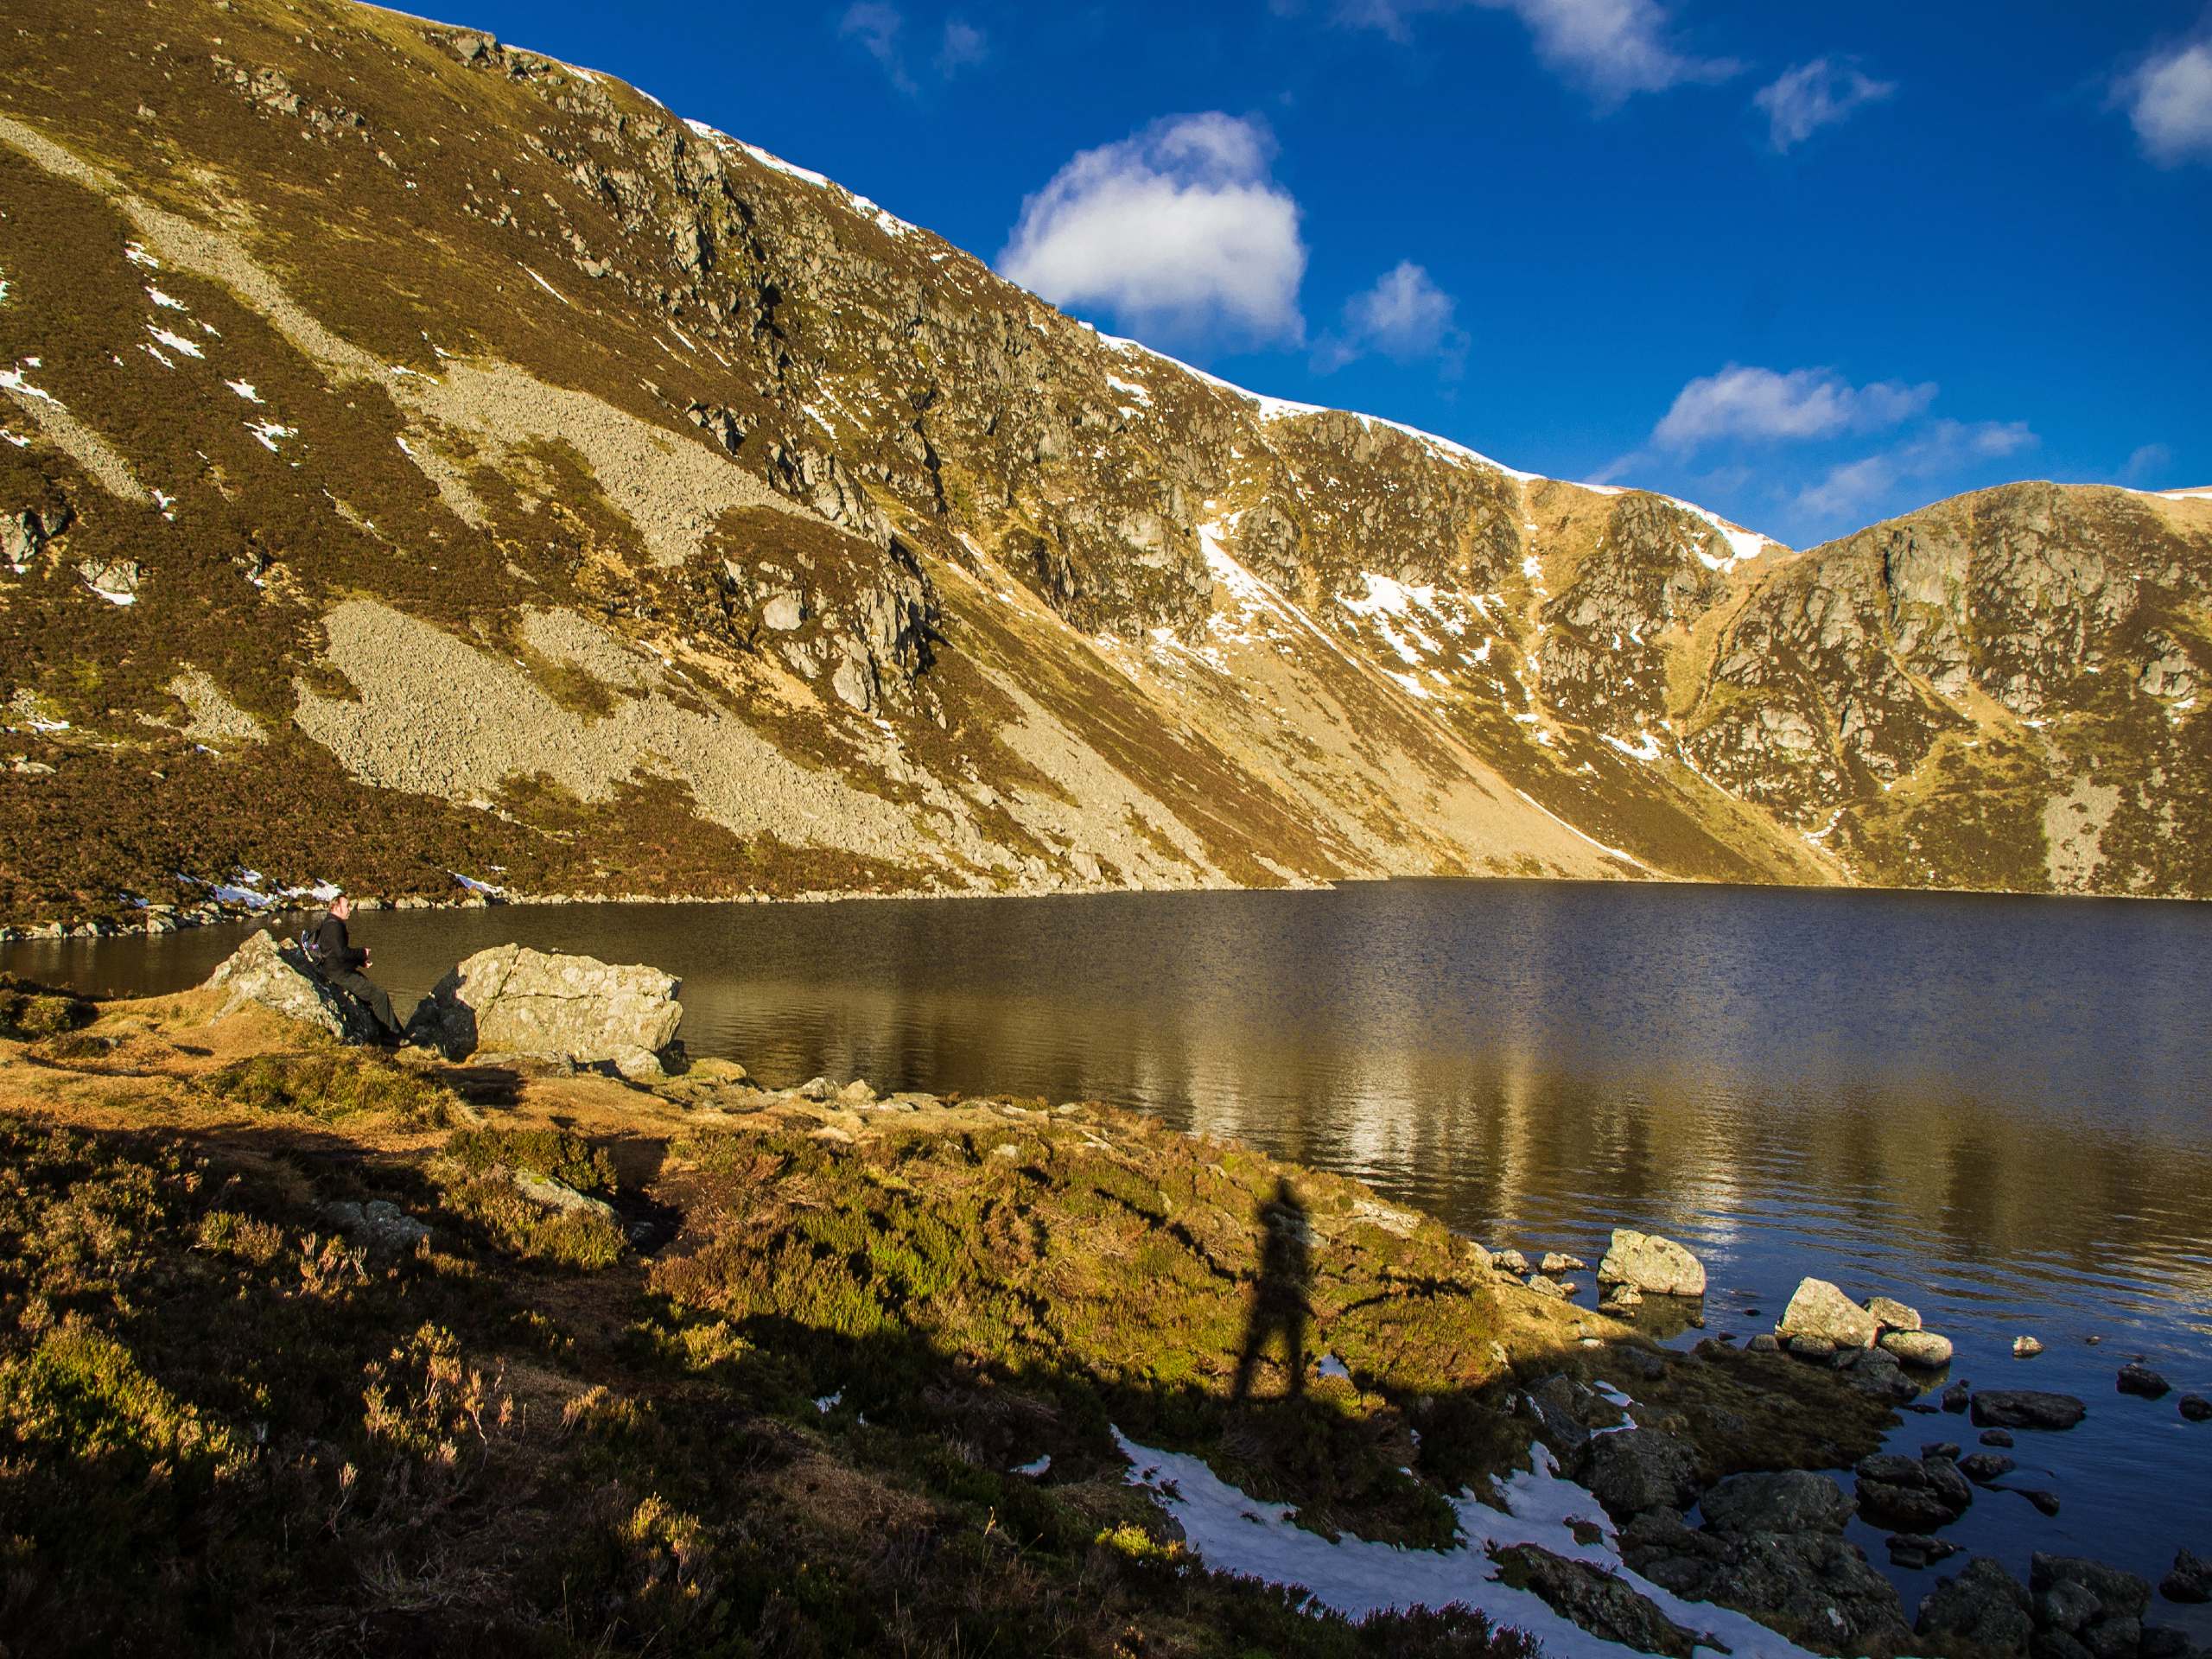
[[1809, 266]]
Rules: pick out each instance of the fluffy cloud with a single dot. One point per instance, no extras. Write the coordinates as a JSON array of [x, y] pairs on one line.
[[1800, 101], [1405, 316], [1762, 405], [2170, 101], [1611, 49], [1943, 449], [1178, 230], [964, 46]]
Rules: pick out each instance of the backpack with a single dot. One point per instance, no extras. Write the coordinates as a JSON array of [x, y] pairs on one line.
[[310, 948]]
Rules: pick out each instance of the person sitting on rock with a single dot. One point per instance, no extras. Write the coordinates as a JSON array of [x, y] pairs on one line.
[[341, 962]]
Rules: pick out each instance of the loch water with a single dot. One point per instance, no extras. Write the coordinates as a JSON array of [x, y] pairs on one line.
[[1998, 1110]]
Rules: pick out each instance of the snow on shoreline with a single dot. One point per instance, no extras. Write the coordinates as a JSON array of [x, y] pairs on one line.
[[1232, 1533]]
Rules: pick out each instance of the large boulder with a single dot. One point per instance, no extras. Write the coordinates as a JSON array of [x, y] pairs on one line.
[[1639, 1469], [1820, 1311], [2026, 1408], [1600, 1602], [1656, 1266], [1789, 1500], [513, 1000], [1983, 1610], [276, 976]]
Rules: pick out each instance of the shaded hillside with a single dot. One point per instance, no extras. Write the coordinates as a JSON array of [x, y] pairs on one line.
[[426, 457]]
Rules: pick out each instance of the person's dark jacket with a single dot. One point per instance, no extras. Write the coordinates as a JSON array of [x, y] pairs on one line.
[[334, 952]]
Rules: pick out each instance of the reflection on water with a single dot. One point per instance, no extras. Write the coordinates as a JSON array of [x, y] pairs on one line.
[[1995, 1108]]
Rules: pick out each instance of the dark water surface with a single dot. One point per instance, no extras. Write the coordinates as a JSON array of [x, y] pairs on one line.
[[1998, 1110]]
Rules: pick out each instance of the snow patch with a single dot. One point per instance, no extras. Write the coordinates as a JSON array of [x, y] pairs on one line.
[[12, 380], [271, 434], [164, 301], [1032, 1469], [548, 287], [174, 342], [827, 1403], [1235, 1534], [138, 256], [245, 388], [1645, 748]]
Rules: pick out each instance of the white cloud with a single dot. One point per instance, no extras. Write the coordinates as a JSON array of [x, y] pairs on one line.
[[1946, 447], [2147, 463], [1613, 48], [964, 46], [1800, 101], [876, 27], [1405, 316], [1178, 229], [1763, 406], [2170, 101]]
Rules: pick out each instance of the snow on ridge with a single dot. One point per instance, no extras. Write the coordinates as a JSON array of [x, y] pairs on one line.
[[1746, 544], [2188, 495]]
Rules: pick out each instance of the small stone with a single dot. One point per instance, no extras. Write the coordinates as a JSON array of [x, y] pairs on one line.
[[2046, 1502], [815, 1089], [2140, 1379], [1765, 1343], [1985, 1466], [2196, 1408], [1510, 1261], [856, 1093], [1914, 1550], [1548, 1287], [1940, 1449], [1955, 1397], [1555, 1263], [2026, 1347], [1997, 1437], [1811, 1348]]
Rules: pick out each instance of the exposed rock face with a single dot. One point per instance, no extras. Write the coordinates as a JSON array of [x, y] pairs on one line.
[[1597, 1600], [1790, 1500], [277, 977], [514, 999], [1984, 1609], [1820, 1311], [1814, 1581], [1639, 1469], [1654, 1265]]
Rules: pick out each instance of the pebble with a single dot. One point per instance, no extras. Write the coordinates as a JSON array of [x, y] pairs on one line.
[[2196, 1407], [1940, 1449], [2046, 1502], [1555, 1263], [1957, 1397], [1997, 1437], [2026, 1347]]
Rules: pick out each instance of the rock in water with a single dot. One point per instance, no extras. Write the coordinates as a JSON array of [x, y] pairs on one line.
[[1915, 1347], [513, 1000], [1656, 1266], [1819, 1309], [2141, 1379], [2195, 1408], [2026, 1408], [1555, 1263], [2190, 1580], [277, 977], [2026, 1347]]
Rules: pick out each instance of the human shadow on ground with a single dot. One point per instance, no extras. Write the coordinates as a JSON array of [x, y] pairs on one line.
[[1281, 1303]]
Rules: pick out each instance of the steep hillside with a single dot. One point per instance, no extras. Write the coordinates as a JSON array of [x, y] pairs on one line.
[[426, 458]]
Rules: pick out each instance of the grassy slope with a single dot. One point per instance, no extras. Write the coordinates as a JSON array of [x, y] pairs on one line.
[[226, 1428]]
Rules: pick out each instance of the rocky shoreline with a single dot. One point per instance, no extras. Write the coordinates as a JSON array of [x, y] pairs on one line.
[[767, 1220]]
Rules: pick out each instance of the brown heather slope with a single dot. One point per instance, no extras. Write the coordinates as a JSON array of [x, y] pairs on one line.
[[423, 456]]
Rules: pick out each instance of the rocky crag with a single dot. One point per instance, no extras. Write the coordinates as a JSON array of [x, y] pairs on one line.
[[425, 458]]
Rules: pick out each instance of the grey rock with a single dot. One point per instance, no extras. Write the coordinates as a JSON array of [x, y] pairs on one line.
[[2026, 1408], [1915, 1550], [1940, 1449], [1983, 1608], [1547, 1286], [2114, 1639], [529, 1002], [2190, 1579], [2117, 1591], [1791, 1500], [2140, 1379], [1997, 1437], [559, 1195], [1911, 1496], [1651, 1264], [2067, 1605], [1510, 1261], [276, 976], [378, 1223], [1819, 1309], [1875, 1372], [2195, 1408], [2045, 1502], [1957, 1397], [1639, 1469], [1809, 1347], [2026, 1347], [2049, 1643], [1915, 1347], [1555, 1263], [1599, 1602], [2163, 1642], [1893, 1315], [1764, 1343], [1985, 1466], [1811, 1581]]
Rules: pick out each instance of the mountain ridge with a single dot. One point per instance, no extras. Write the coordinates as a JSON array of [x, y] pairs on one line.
[[609, 509]]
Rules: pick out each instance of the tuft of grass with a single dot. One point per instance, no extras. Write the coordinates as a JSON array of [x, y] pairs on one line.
[[334, 1088], [477, 1171], [29, 1011]]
